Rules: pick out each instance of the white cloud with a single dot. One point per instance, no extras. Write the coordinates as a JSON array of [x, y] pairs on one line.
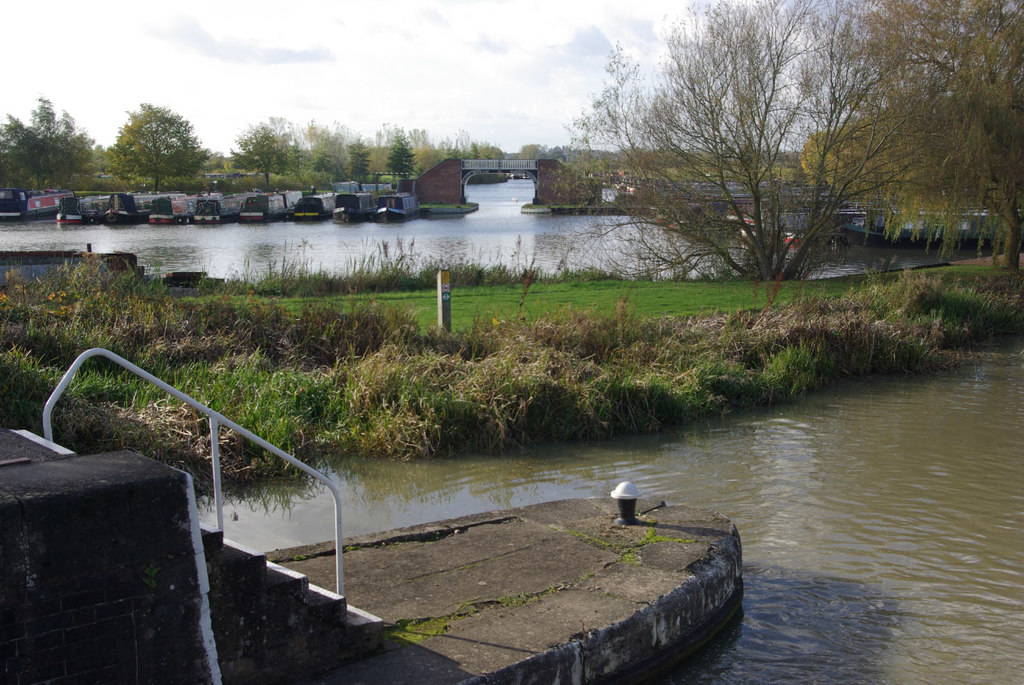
[[509, 72]]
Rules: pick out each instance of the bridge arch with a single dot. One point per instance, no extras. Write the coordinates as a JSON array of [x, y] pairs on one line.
[[445, 183], [525, 167]]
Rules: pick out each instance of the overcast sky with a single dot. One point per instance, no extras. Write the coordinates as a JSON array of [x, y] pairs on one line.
[[506, 72]]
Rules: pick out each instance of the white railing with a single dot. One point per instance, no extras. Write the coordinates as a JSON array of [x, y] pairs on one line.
[[500, 164], [216, 421]]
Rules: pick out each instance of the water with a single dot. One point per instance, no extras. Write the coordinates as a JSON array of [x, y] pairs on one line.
[[497, 233], [881, 521]]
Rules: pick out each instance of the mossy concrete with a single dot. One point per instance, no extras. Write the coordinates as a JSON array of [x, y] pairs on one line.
[[554, 592]]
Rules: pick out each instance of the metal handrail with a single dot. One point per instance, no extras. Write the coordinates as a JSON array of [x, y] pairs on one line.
[[216, 420], [500, 164]]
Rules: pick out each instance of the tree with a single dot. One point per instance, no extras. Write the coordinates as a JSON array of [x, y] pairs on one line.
[[401, 160], [961, 65], [359, 160], [156, 143], [265, 149], [50, 151], [532, 151], [708, 146]]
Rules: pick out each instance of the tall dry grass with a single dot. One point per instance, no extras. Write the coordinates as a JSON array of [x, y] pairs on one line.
[[364, 379]]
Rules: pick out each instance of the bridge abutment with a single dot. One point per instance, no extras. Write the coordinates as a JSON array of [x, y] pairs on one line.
[[445, 183]]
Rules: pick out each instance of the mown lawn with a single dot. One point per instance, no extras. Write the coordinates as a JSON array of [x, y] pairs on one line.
[[643, 298]]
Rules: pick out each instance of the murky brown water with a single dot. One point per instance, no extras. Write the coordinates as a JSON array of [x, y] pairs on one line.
[[882, 521]]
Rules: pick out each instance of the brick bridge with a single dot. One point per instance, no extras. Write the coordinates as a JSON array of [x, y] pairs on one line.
[[446, 182]]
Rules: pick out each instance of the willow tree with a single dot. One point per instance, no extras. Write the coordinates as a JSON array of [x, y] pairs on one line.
[[962, 67], [713, 143]]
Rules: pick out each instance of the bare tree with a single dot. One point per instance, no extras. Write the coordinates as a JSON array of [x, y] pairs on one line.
[[713, 146]]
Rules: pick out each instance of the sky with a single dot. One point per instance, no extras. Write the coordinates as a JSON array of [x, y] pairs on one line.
[[508, 73]]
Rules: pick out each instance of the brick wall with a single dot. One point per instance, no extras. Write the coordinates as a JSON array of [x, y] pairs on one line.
[[442, 184], [100, 580]]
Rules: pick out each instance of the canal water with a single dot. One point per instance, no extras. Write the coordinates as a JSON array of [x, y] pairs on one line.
[[498, 233], [882, 521]]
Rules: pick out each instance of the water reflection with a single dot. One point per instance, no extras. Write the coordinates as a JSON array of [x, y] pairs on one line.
[[881, 521]]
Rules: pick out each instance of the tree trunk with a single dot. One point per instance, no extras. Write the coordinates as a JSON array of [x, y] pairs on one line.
[[1011, 247]]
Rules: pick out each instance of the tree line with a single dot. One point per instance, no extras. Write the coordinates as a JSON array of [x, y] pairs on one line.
[[156, 145], [768, 117]]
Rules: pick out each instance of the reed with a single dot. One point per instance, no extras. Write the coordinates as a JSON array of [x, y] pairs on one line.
[[389, 267], [355, 377]]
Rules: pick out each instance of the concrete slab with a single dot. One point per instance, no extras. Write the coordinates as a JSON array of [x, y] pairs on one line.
[[549, 593]]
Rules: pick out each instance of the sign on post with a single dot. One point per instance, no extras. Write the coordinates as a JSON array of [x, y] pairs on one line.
[[444, 300]]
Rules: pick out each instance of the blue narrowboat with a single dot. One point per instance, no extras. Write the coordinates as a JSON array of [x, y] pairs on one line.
[[18, 204], [129, 208], [398, 207]]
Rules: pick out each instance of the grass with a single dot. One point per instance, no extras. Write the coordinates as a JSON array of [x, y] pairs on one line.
[[504, 301], [370, 374]]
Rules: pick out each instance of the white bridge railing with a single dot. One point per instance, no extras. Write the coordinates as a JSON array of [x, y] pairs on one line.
[[216, 421], [500, 164]]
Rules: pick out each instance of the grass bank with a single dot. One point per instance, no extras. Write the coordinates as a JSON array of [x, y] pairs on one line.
[[329, 375]]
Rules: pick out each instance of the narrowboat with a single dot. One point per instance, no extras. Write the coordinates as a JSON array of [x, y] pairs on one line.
[[69, 211], [351, 207], [397, 207], [314, 207], [18, 204], [173, 210], [130, 208], [269, 206], [81, 210], [212, 210], [868, 228]]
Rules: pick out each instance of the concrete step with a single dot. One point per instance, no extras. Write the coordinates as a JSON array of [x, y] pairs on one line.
[[281, 580]]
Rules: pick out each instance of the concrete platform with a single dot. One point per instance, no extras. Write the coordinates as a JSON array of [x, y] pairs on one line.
[[553, 592]]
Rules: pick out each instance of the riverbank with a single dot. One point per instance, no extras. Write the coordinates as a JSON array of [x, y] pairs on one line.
[[354, 377], [448, 210]]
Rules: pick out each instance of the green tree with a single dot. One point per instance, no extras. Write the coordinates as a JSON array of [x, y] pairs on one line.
[[401, 160], [359, 160], [156, 143], [961, 67], [709, 145], [265, 149], [531, 151], [326, 151], [50, 151]]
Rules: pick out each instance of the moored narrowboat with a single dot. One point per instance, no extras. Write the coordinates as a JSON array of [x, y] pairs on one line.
[[18, 204], [869, 228], [212, 210], [69, 211], [172, 210], [267, 207], [314, 207], [351, 207], [131, 208], [397, 207]]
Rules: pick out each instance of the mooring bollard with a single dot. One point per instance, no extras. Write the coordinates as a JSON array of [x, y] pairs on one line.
[[444, 300], [626, 494]]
